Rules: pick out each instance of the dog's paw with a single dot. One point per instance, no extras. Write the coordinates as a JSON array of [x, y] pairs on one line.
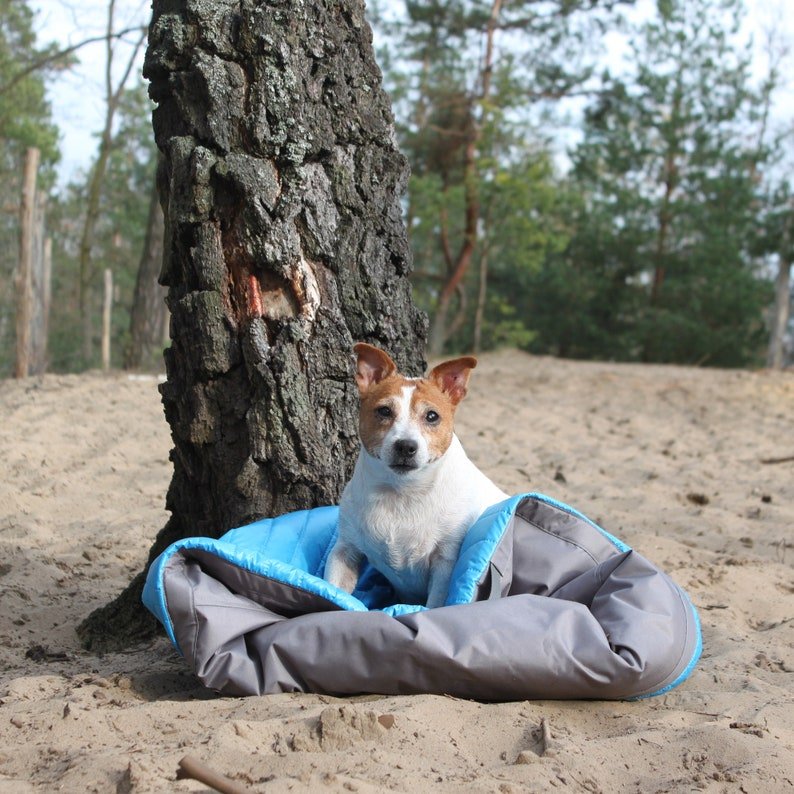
[[347, 581], [342, 567]]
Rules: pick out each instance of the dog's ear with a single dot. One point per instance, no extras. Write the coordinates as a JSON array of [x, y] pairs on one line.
[[372, 366], [452, 377]]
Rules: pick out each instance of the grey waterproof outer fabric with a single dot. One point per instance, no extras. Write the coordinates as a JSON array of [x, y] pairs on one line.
[[559, 609]]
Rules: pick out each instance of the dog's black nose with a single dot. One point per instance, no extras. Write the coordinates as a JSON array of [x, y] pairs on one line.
[[405, 448]]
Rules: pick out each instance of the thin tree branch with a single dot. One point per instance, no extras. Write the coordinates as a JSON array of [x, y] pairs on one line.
[[41, 63]]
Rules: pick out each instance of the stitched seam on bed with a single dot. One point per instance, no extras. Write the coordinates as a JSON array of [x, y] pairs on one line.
[[299, 538], [649, 691], [559, 537]]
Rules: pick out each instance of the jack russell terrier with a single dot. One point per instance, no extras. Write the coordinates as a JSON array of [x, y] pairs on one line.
[[414, 493]]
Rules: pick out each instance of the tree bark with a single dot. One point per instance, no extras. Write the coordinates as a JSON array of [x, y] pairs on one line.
[[440, 331], [482, 296], [148, 306], [780, 316], [284, 244]]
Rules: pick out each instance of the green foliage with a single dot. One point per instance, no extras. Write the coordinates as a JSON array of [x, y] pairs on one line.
[[466, 94], [664, 207], [648, 249], [24, 112], [656, 246]]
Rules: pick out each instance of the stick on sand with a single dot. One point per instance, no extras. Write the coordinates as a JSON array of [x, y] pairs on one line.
[[191, 767], [787, 459]]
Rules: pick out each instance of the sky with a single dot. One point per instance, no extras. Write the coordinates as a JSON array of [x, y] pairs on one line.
[[76, 95]]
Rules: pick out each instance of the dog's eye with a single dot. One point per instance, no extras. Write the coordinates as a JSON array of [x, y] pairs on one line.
[[432, 418], [384, 412]]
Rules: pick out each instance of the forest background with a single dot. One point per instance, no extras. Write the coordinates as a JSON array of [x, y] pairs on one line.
[[590, 179]]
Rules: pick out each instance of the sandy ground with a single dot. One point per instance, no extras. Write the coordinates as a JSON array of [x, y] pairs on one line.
[[667, 458]]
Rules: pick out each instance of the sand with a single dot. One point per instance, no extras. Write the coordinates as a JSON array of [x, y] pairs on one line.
[[667, 458]]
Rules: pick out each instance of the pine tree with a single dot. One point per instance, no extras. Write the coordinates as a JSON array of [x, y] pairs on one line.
[[660, 267], [463, 74]]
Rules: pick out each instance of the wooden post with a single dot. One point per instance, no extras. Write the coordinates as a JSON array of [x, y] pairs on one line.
[[106, 312], [40, 286], [46, 286], [24, 288]]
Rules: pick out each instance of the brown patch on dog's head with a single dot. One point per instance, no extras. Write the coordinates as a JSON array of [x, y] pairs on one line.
[[408, 406], [378, 387], [380, 409], [434, 412]]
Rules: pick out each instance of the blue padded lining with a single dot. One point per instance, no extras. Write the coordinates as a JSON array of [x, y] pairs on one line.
[[293, 549]]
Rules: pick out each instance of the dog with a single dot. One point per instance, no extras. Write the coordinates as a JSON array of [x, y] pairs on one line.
[[414, 493]]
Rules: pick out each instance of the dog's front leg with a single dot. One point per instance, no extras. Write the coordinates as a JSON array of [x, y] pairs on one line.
[[343, 565], [438, 588]]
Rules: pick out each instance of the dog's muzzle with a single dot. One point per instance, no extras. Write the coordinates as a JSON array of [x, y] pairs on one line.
[[403, 457]]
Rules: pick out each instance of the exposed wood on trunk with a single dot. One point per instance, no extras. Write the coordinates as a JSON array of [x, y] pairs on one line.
[[24, 286], [284, 244]]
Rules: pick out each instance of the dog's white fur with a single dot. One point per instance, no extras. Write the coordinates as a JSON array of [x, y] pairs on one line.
[[409, 524]]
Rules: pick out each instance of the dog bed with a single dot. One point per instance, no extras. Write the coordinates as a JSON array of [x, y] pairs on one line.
[[543, 603]]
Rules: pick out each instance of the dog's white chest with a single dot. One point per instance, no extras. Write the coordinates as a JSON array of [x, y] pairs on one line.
[[396, 539], [395, 533], [410, 529]]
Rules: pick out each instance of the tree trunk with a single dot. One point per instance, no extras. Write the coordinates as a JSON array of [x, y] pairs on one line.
[[482, 295], [107, 317], [284, 244], [441, 329], [87, 241], [148, 306]]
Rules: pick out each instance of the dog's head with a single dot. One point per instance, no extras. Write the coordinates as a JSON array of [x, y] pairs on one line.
[[407, 423]]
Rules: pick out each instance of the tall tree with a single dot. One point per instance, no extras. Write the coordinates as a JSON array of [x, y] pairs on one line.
[[479, 64], [115, 87], [776, 240], [660, 265], [120, 233], [284, 244]]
